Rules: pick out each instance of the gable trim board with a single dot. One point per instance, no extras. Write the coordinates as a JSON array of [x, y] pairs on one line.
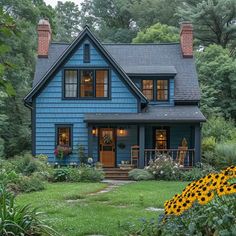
[[65, 56]]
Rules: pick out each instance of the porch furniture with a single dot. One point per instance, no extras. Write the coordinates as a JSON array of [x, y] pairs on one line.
[[182, 152], [134, 155]]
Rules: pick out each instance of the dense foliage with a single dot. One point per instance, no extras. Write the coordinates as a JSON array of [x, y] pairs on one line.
[[83, 173], [20, 220]]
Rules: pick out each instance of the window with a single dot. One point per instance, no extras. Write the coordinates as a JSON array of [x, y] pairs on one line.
[[70, 84], [64, 135], [86, 53], [148, 89], [101, 83], [156, 90], [162, 90], [86, 83], [161, 138]]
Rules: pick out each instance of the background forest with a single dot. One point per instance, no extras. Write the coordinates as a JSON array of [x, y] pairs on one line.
[[123, 21]]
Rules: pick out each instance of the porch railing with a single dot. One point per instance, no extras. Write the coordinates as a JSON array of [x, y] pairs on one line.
[[183, 157]]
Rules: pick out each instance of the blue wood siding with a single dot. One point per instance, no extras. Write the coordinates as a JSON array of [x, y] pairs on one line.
[[51, 109]]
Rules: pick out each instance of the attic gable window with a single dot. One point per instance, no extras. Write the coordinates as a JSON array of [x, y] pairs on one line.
[[86, 53]]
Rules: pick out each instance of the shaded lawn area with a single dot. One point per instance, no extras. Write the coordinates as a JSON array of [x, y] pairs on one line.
[[99, 214]]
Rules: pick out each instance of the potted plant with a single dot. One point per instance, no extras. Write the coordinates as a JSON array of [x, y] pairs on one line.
[[62, 151]]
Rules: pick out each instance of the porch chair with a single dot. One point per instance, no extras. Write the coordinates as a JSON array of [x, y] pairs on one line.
[[134, 155], [182, 151]]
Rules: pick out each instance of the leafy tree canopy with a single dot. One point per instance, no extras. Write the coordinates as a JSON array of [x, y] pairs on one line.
[[217, 75], [157, 33], [67, 18], [214, 20]]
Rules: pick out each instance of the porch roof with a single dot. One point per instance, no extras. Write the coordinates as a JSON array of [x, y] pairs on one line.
[[178, 114]]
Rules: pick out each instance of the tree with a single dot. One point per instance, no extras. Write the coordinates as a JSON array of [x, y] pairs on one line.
[[67, 18], [217, 75], [214, 20], [157, 33], [120, 20], [7, 29]]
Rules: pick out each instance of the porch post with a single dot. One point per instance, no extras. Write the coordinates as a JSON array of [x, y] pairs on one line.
[[197, 143], [141, 145], [90, 141]]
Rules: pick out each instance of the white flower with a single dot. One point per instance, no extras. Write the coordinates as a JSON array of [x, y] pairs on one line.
[[161, 172], [154, 172], [173, 172]]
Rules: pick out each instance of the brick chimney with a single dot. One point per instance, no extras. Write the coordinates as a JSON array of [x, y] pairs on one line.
[[186, 39], [44, 37]]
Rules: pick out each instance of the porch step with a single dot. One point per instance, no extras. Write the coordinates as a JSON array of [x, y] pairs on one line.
[[116, 173]]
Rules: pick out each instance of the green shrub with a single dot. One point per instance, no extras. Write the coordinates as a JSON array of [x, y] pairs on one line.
[[220, 129], [140, 174], [90, 174], [7, 177], [196, 172], [208, 144], [42, 157], [163, 167], [61, 175], [74, 175], [20, 220], [225, 155], [30, 184]]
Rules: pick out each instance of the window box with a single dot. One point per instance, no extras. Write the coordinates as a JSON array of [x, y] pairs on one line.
[[62, 151]]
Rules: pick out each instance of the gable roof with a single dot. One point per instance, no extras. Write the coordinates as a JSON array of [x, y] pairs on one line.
[[141, 59], [56, 59]]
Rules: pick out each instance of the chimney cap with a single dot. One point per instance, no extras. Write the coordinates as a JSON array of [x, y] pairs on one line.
[[186, 24], [44, 21]]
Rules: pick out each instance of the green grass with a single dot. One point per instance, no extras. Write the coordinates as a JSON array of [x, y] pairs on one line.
[[99, 214]]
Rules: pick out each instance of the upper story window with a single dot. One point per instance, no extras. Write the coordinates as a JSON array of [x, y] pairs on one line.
[[71, 83], [162, 90], [156, 90], [148, 89], [86, 83], [86, 53]]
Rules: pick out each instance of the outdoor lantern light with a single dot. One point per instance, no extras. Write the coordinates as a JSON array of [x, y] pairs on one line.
[[121, 131], [94, 131]]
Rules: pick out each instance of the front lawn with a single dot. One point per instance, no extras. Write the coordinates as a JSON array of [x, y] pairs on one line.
[[73, 212]]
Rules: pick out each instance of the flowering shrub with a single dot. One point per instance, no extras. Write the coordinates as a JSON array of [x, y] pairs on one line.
[[62, 151], [163, 167], [202, 191], [205, 207]]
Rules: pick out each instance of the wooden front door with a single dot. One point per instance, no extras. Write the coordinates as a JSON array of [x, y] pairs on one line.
[[107, 147]]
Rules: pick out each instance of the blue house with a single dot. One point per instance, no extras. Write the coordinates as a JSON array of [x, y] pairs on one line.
[[121, 102]]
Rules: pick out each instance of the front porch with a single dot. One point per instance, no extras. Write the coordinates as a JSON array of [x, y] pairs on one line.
[[112, 144]]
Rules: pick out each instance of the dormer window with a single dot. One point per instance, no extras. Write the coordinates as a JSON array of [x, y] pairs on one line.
[[86, 53], [156, 90]]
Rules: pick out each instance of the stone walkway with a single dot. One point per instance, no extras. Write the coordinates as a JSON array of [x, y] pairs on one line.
[[112, 184]]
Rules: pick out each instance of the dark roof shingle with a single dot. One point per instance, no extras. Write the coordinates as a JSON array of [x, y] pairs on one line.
[[154, 114], [141, 59]]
